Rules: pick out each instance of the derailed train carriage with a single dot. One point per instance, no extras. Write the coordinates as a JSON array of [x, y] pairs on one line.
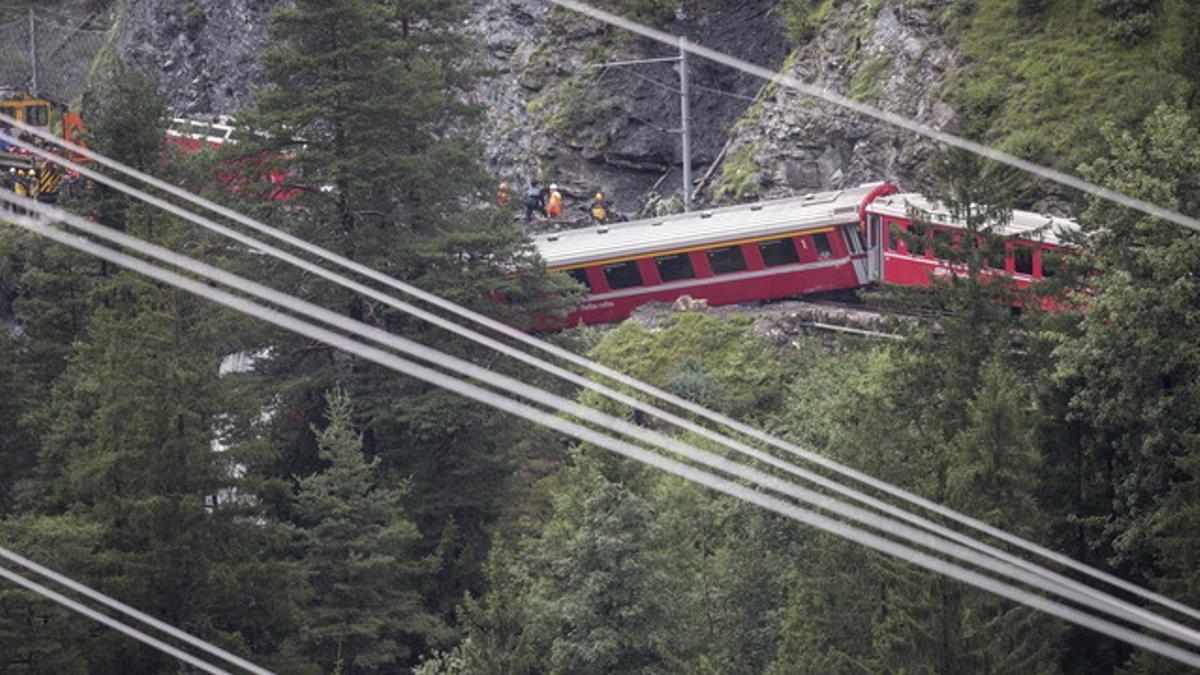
[[828, 241]]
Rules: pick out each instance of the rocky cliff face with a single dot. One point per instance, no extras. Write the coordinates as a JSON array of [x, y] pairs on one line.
[[891, 55], [205, 52], [551, 116]]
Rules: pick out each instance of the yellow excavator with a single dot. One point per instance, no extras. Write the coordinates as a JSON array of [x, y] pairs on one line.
[[36, 112]]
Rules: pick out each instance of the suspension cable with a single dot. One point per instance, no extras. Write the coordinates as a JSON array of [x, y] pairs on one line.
[[546, 347], [594, 437], [1010, 566], [130, 611], [110, 622]]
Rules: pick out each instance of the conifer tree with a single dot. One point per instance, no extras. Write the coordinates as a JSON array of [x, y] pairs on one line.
[[362, 560], [600, 600], [1130, 377], [363, 111]]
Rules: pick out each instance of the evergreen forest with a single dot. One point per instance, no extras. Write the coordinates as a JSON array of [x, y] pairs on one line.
[[316, 513]]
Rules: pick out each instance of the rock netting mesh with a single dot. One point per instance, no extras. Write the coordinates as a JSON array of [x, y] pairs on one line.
[[63, 57]]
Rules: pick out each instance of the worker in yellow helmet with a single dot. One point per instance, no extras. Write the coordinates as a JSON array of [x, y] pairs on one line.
[[599, 208]]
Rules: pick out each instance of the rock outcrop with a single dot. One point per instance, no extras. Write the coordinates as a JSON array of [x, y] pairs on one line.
[[205, 52], [551, 116], [893, 56]]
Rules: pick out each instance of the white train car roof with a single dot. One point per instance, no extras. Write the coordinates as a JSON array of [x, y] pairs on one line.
[[1025, 225], [701, 228]]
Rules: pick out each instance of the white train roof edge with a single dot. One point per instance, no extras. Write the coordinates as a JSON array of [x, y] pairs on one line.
[[1024, 224], [701, 228], [762, 219]]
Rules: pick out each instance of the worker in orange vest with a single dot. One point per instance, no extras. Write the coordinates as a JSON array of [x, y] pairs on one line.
[[503, 196], [554, 202]]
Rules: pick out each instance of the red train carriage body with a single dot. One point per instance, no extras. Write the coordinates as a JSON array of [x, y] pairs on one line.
[[787, 247], [1032, 236], [770, 250]]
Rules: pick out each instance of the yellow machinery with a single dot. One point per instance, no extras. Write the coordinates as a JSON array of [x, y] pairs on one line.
[[37, 112]]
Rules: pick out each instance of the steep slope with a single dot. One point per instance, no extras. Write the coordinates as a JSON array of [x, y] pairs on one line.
[[891, 54], [552, 117]]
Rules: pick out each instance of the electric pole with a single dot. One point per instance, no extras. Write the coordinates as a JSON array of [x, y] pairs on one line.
[[685, 115]]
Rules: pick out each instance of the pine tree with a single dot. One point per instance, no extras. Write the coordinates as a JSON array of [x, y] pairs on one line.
[[361, 557], [1128, 378], [363, 110], [600, 601]]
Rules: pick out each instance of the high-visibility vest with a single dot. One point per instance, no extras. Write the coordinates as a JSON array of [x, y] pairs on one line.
[[554, 206], [48, 180], [599, 212]]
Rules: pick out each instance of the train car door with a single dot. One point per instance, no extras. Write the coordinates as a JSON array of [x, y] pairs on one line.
[[874, 247]]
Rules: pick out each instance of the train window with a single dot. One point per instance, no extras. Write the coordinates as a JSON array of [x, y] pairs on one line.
[[853, 239], [824, 250], [1022, 260], [37, 116], [943, 243], [623, 275], [579, 274], [1050, 263], [726, 259], [674, 267], [778, 252], [892, 238]]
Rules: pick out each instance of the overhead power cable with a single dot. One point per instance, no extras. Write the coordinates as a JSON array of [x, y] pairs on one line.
[[1013, 568], [112, 623], [539, 344], [1114, 605], [979, 149], [121, 607], [602, 440], [891, 118]]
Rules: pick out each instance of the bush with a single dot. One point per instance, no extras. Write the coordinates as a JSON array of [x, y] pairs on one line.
[[1133, 20]]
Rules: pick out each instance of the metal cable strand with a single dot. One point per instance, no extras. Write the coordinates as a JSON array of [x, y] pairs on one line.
[[110, 622], [588, 435], [131, 612], [559, 352], [884, 116], [1079, 593]]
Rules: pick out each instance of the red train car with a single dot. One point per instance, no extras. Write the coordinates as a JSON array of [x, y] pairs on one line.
[[1035, 242], [737, 254], [820, 242]]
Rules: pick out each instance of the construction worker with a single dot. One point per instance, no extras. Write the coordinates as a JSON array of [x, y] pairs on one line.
[[599, 208], [535, 201], [503, 195], [554, 202], [20, 185]]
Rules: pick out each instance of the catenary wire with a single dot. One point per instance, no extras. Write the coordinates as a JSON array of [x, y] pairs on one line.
[[891, 118], [544, 346], [125, 609], [1115, 605], [955, 141], [1011, 568], [112, 623], [594, 437]]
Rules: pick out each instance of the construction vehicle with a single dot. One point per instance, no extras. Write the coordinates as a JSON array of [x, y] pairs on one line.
[[36, 112]]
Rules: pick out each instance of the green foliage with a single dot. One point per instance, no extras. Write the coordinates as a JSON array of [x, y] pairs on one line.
[[1132, 373], [696, 352], [865, 85], [361, 558], [802, 18], [1060, 75], [1133, 20], [741, 176]]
